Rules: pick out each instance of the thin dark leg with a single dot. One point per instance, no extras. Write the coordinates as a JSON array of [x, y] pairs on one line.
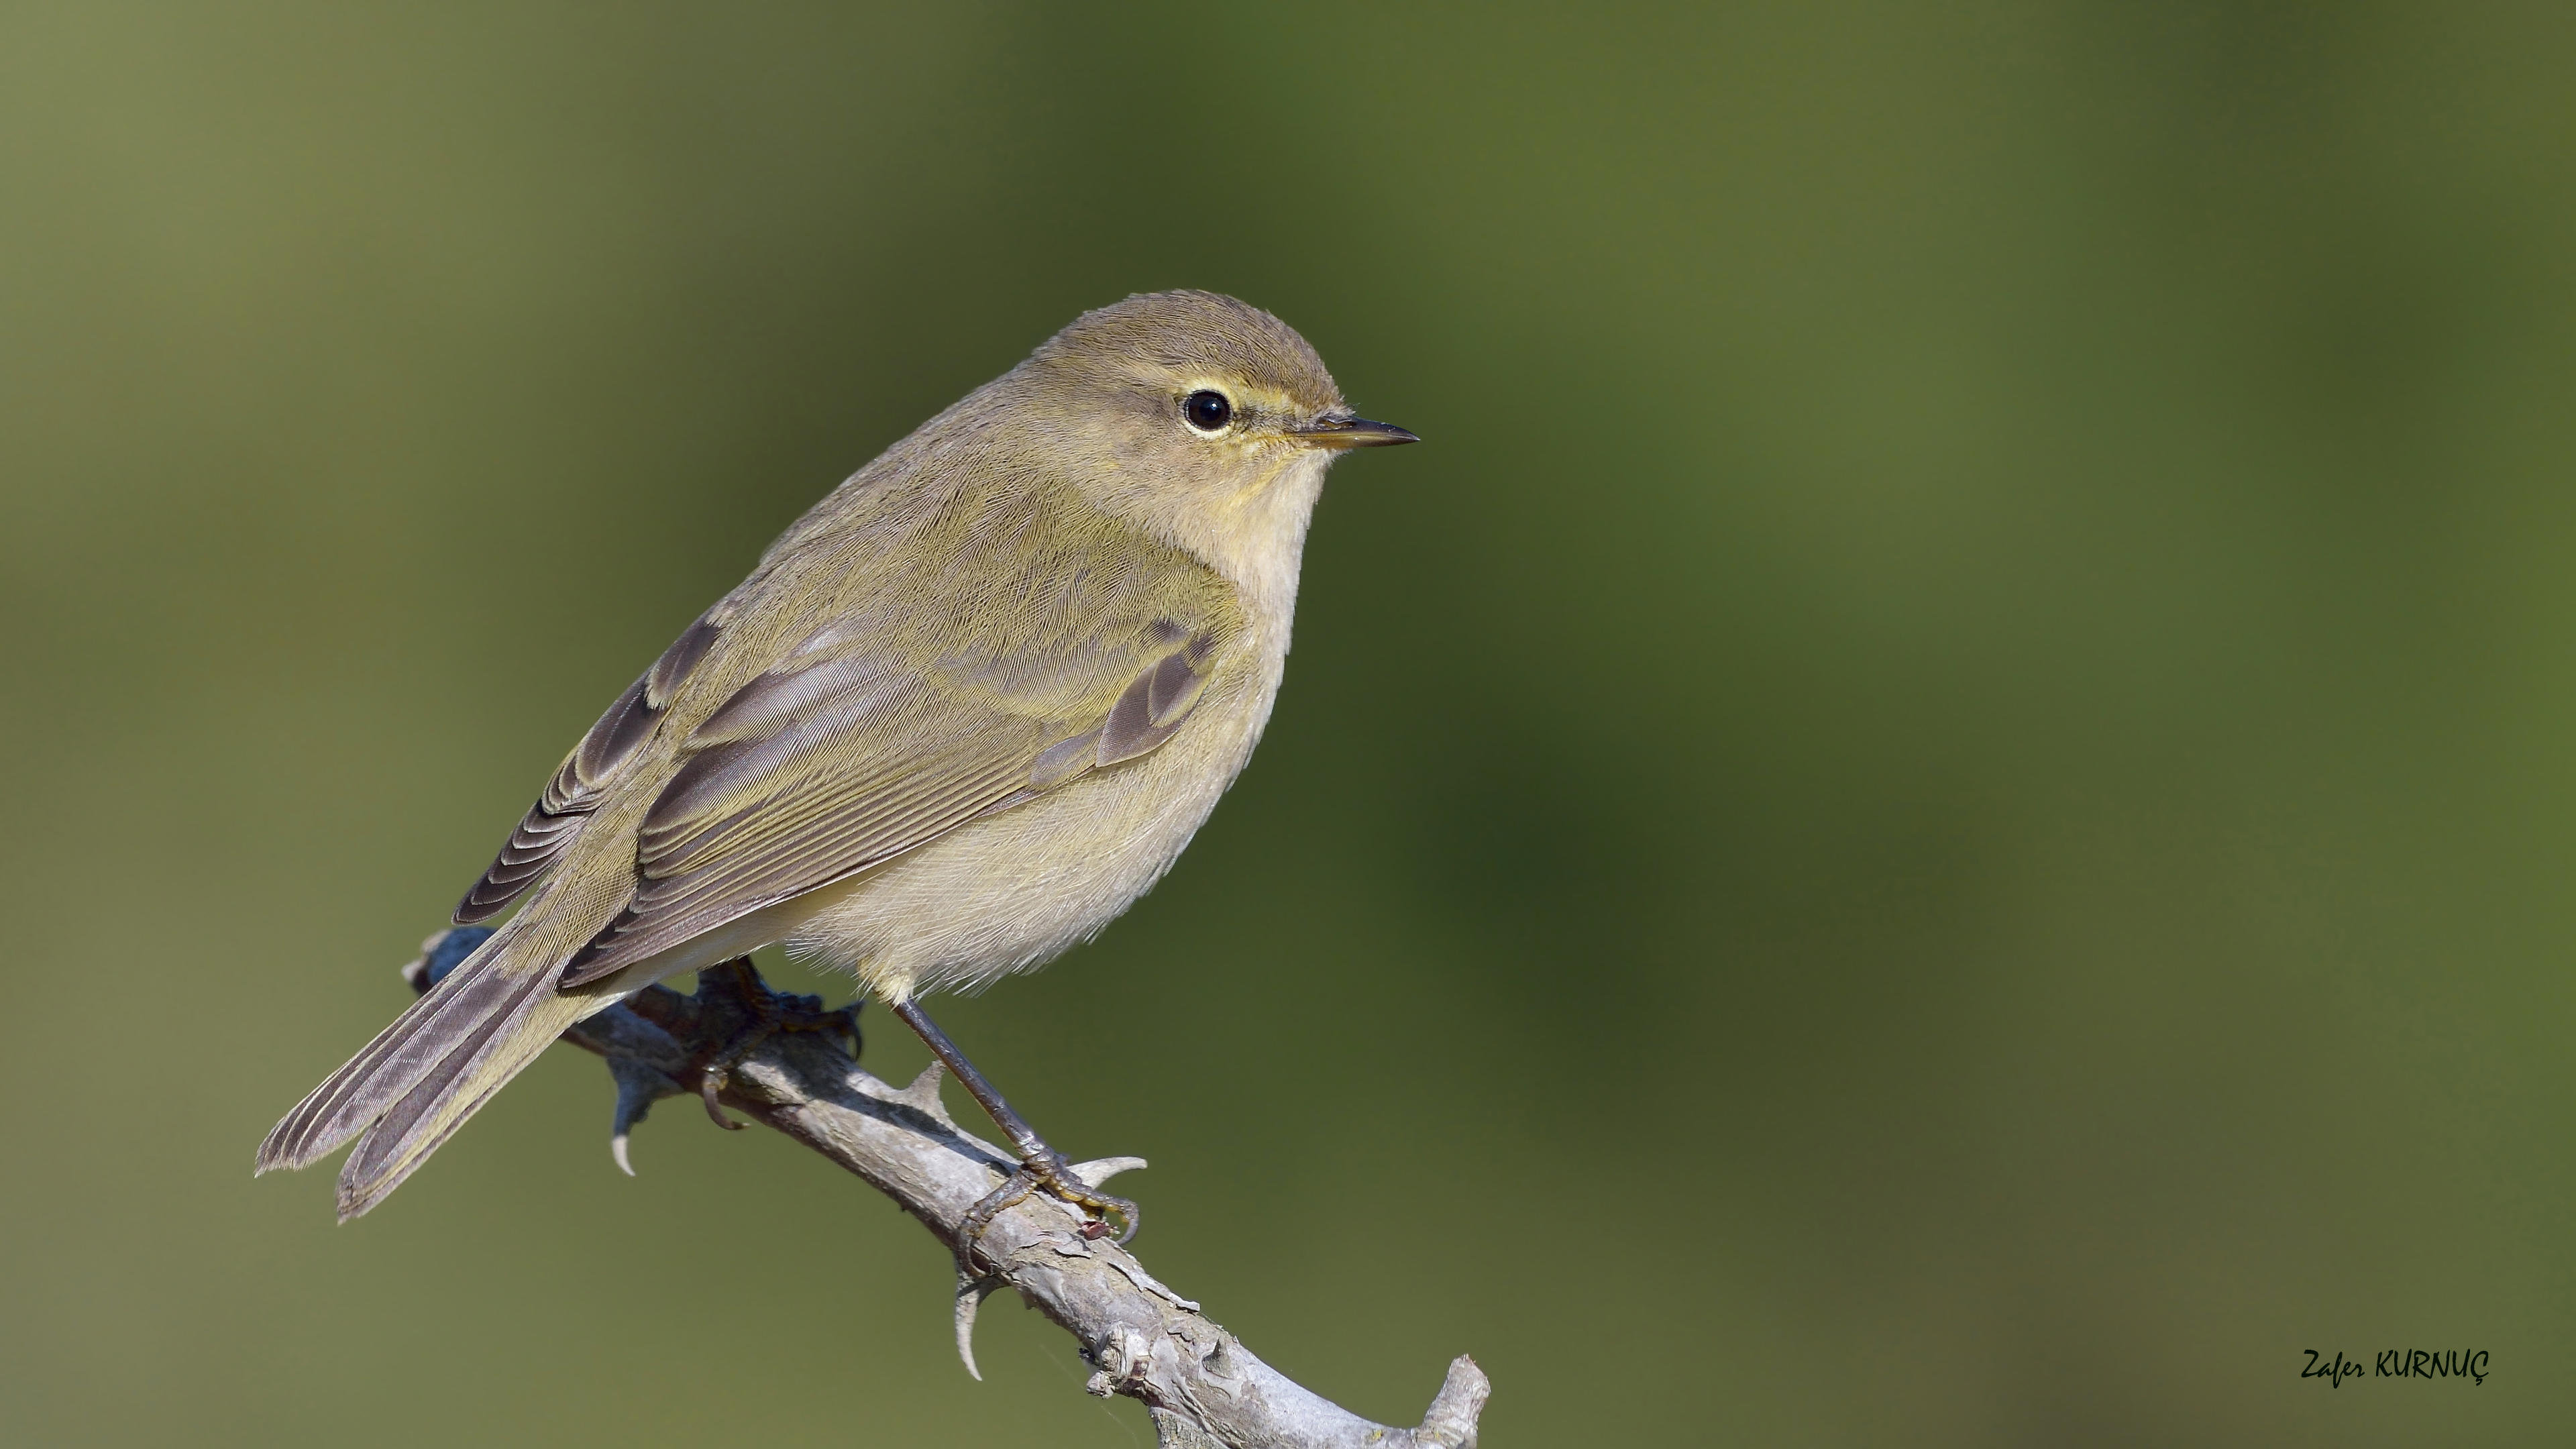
[[1042, 1168], [1024, 1139]]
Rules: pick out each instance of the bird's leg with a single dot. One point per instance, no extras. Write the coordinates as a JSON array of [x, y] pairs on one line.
[[1042, 1168], [769, 1012]]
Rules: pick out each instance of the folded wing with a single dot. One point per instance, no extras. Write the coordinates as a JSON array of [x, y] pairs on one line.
[[881, 735]]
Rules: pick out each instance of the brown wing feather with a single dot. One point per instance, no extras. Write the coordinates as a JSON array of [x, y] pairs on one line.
[[868, 743], [774, 818], [566, 804]]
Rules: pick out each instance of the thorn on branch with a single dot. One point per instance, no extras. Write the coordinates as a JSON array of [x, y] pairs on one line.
[[639, 1086], [923, 1095], [971, 1293]]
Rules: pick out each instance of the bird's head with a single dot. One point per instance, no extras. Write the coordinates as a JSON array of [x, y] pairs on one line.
[[1202, 417]]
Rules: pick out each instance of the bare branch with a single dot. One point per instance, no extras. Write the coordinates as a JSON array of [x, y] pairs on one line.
[[1202, 1386]]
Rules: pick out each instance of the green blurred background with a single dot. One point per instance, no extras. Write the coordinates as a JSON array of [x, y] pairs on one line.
[[1940, 812]]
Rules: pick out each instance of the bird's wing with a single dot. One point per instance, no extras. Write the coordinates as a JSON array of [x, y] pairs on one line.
[[1024, 661], [565, 806]]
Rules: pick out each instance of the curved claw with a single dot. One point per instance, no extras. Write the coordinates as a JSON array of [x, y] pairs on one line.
[[1058, 1180], [979, 1218], [1064, 1181], [710, 1084], [1105, 1205]]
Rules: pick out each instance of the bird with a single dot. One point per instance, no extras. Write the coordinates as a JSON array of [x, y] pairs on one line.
[[961, 714]]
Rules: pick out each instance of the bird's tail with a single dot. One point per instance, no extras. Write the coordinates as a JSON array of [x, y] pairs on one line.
[[439, 1062]]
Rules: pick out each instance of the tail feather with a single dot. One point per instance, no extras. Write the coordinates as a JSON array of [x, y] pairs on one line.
[[438, 1063], [478, 990], [398, 1058], [434, 1067], [481, 1059]]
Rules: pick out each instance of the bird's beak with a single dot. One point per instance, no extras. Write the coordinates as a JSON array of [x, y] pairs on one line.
[[1339, 433]]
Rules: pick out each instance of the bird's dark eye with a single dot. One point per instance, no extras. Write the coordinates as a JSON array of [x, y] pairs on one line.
[[1207, 410]]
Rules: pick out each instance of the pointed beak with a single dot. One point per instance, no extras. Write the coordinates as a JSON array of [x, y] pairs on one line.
[[1339, 433]]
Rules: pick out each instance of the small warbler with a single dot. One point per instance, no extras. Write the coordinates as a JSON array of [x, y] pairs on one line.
[[961, 715]]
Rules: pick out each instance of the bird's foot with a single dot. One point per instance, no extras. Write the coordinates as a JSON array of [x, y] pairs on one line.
[[1046, 1171], [763, 1013]]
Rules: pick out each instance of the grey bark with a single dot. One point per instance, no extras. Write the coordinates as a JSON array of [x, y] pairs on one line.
[[1201, 1385]]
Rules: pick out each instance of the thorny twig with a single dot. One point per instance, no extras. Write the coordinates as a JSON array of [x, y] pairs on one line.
[[780, 1059]]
